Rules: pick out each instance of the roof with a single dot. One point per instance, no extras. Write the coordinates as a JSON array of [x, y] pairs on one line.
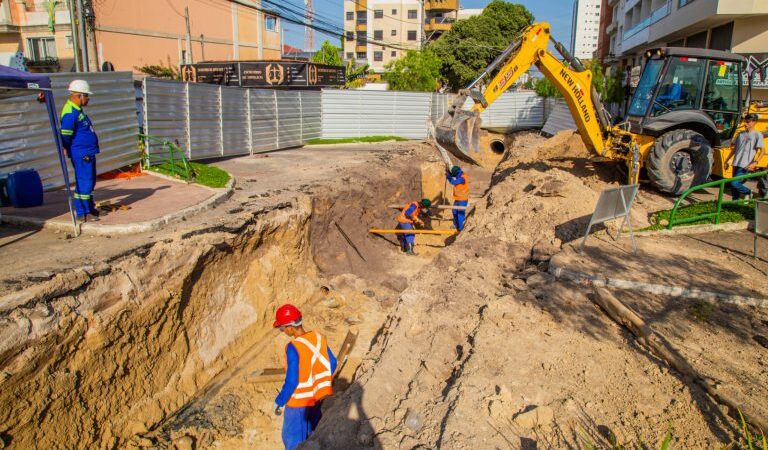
[[291, 49], [703, 53], [16, 79]]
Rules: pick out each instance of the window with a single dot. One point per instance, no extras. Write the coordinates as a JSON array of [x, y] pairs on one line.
[[411, 35], [69, 41], [350, 15], [721, 95], [378, 35], [361, 55], [350, 55], [698, 40], [362, 17], [41, 48], [394, 33], [350, 35], [720, 39], [412, 14], [394, 12], [270, 23], [378, 14], [394, 53], [644, 90], [361, 38], [378, 56], [681, 86]]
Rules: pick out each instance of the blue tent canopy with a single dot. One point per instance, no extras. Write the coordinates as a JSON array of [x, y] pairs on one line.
[[15, 82]]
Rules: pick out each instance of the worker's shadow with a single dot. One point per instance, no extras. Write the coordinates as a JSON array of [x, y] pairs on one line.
[[345, 423]]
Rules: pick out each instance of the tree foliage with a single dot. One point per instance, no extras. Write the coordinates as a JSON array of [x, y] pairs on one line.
[[416, 71], [328, 54], [546, 88], [355, 75], [471, 44], [167, 71]]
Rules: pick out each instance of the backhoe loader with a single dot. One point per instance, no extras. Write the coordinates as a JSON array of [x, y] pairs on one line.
[[687, 107]]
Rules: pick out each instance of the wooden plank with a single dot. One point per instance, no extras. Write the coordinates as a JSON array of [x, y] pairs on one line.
[[400, 231]]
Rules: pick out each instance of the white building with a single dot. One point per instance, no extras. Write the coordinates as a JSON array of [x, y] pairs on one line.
[[585, 28]]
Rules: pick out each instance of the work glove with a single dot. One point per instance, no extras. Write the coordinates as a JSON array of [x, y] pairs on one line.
[[278, 410]]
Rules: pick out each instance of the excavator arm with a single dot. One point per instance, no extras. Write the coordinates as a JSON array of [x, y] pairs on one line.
[[459, 130]]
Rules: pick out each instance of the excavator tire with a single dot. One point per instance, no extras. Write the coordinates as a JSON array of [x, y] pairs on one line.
[[679, 159]]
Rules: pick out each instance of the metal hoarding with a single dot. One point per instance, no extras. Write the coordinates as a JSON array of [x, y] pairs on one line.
[[205, 140], [559, 119], [263, 106], [165, 113], [289, 119], [235, 123], [312, 113], [512, 111], [26, 141]]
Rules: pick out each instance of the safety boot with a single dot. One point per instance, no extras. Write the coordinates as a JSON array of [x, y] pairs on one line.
[[409, 250]]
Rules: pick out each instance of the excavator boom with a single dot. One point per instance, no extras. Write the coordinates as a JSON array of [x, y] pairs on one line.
[[459, 130]]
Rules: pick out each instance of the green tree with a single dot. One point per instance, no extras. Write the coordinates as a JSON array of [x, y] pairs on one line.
[[546, 88], [355, 75], [471, 44], [328, 54], [416, 71], [167, 71]]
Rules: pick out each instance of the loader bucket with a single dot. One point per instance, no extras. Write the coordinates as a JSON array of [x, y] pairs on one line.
[[458, 131]]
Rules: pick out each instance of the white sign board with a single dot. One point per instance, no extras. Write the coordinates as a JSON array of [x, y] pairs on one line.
[[614, 203]]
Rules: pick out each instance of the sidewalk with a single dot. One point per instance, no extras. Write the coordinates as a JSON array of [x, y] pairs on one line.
[[146, 203]]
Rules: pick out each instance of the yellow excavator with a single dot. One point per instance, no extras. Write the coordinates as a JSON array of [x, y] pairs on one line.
[[688, 105]]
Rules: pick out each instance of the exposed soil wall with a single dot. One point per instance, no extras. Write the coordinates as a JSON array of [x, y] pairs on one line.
[[99, 355]]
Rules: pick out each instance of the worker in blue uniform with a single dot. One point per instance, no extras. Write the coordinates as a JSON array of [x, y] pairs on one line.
[[406, 220], [460, 182], [81, 145]]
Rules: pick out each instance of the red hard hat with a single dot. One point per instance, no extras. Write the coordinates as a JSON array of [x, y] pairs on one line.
[[286, 315]]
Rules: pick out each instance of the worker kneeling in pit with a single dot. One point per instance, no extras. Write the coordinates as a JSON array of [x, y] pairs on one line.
[[408, 217], [309, 373], [460, 183]]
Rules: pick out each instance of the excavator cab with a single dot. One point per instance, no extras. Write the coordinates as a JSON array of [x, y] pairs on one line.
[[698, 88]]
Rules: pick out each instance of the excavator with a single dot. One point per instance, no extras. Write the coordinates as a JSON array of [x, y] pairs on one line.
[[688, 105]]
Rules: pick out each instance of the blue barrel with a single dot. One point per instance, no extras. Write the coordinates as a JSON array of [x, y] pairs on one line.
[[25, 188]]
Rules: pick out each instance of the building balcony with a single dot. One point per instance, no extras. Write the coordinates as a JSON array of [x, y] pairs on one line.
[[441, 5], [438, 24], [361, 47], [45, 65], [611, 28], [361, 5], [658, 14], [361, 26]]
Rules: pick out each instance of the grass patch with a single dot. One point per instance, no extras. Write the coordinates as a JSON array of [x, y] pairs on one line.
[[321, 141], [202, 174], [730, 212]]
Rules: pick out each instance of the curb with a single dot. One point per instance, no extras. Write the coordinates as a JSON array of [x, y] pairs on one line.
[[659, 289], [90, 229]]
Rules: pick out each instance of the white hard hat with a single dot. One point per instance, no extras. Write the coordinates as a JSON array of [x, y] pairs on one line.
[[80, 87]]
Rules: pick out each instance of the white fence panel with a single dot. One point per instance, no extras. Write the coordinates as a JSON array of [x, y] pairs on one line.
[[289, 119], [165, 113], [204, 127], [559, 119], [26, 140], [512, 111], [234, 121], [312, 113], [263, 120]]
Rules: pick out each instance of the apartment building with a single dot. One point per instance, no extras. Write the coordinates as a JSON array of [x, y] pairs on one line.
[[127, 34], [585, 28], [739, 26], [32, 32], [380, 31]]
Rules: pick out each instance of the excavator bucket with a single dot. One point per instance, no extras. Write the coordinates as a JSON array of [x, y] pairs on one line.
[[458, 131]]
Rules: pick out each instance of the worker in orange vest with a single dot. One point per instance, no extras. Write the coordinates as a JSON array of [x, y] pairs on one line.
[[460, 183], [309, 373], [406, 220]]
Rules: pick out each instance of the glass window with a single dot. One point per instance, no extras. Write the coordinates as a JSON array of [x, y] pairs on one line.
[[378, 14], [270, 23], [681, 86], [350, 15], [41, 48], [394, 12], [350, 35], [394, 33], [721, 95], [394, 53], [378, 56], [378, 35], [412, 14], [350, 55], [411, 35], [644, 91], [720, 38], [361, 55]]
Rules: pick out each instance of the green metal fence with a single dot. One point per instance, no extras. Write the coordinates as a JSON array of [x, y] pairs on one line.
[[719, 208], [171, 154]]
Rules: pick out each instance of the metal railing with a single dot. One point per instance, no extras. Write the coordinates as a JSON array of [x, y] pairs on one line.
[[656, 15], [176, 156], [721, 190]]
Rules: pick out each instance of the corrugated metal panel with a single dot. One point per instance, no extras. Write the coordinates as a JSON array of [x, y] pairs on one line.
[[263, 120], [372, 113], [312, 112], [26, 141], [512, 111], [559, 119], [165, 109], [234, 115], [289, 119], [204, 126]]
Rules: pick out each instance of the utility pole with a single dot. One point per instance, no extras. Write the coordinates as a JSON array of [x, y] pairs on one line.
[[75, 43], [81, 37], [189, 60], [202, 46], [89, 15], [422, 30]]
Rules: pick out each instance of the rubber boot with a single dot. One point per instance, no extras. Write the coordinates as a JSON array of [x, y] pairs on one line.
[[409, 250]]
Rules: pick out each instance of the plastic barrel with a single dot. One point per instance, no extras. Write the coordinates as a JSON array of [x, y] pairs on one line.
[[25, 188]]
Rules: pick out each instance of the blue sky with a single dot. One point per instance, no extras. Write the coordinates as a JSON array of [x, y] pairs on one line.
[[556, 12]]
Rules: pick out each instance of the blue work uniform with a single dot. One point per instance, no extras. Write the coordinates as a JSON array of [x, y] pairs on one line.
[[298, 423], [82, 144], [460, 184], [405, 222]]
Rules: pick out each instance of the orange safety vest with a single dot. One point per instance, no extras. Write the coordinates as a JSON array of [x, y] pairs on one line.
[[314, 371], [461, 191], [403, 218]]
